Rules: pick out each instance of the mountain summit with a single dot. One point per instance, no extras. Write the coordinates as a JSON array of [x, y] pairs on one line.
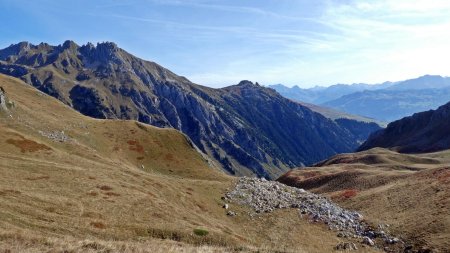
[[246, 128]]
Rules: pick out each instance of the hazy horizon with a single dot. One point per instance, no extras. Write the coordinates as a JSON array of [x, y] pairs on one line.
[[218, 43]]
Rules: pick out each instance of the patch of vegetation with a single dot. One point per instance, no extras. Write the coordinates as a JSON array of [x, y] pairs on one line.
[[200, 232], [28, 145], [350, 193], [199, 237]]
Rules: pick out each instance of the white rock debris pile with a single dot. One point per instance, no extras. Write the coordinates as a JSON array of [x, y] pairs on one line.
[[265, 196], [57, 136]]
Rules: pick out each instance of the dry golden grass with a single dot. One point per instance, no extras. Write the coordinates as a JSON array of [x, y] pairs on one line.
[[409, 192], [121, 186]]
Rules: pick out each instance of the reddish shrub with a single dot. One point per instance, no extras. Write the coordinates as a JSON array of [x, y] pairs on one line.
[[349, 193], [105, 188], [27, 145], [97, 224]]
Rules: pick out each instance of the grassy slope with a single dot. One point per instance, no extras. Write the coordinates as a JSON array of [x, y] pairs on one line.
[[409, 192], [92, 193]]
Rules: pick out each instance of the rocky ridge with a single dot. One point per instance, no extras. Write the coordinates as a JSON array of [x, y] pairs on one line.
[[245, 128], [267, 196]]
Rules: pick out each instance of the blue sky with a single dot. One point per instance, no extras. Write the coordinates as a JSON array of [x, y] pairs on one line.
[[219, 43]]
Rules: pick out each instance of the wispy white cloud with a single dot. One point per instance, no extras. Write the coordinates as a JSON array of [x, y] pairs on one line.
[[230, 8], [351, 41]]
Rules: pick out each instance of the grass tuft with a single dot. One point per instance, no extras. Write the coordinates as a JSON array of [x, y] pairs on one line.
[[201, 232]]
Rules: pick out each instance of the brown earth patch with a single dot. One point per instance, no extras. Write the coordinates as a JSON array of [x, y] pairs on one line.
[[443, 175], [97, 224], [37, 178], [135, 146], [92, 193], [350, 193], [5, 192], [169, 157], [27, 145], [310, 174], [105, 188], [112, 194]]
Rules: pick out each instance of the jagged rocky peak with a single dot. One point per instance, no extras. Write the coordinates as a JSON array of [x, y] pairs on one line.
[[69, 44], [248, 83], [108, 46], [104, 52], [24, 45], [248, 88], [15, 49]]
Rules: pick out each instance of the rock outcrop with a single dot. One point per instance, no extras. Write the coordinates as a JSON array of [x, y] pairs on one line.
[[246, 128], [5, 103], [2, 99]]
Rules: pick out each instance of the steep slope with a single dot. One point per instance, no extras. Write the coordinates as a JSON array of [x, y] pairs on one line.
[[422, 132], [409, 192], [71, 183], [246, 129], [359, 126]]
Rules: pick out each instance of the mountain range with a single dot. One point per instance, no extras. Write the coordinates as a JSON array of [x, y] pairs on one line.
[[319, 95], [246, 129], [384, 102], [83, 184]]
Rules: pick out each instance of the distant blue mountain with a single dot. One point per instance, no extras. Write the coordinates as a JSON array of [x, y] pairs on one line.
[[386, 102], [319, 95], [421, 83], [389, 105]]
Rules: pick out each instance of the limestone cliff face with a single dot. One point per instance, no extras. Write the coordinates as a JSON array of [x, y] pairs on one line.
[[246, 128]]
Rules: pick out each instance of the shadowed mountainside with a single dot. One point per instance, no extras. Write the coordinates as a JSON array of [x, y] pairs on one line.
[[422, 132], [247, 129]]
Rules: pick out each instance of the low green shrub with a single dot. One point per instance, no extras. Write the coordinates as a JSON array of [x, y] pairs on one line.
[[201, 232]]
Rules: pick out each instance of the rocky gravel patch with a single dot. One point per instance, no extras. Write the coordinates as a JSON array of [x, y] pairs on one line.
[[266, 196], [57, 136]]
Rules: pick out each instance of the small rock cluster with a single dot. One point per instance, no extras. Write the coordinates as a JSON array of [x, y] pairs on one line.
[[57, 136], [346, 246], [266, 196]]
